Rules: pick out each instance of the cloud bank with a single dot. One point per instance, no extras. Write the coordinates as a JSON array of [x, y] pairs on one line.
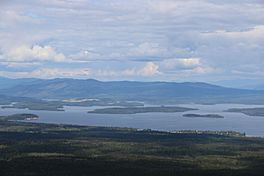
[[137, 40]]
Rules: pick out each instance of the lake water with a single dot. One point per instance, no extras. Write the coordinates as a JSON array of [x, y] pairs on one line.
[[252, 126]]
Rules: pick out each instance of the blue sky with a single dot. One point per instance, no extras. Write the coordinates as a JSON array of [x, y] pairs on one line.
[[169, 40]]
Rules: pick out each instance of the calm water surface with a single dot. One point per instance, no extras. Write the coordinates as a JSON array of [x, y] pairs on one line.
[[252, 126]]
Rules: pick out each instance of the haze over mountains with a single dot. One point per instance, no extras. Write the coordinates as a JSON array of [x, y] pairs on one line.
[[158, 92]]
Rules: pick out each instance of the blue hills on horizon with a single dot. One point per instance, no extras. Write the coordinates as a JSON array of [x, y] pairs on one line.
[[163, 92]]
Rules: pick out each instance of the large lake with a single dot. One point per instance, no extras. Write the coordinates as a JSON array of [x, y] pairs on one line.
[[252, 126]]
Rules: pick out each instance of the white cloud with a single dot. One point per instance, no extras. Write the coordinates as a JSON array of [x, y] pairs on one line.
[[146, 49], [256, 32], [184, 63], [186, 67], [190, 62], [84, 56], [149, 69], [204, 70], [20, 64], [164, 6], [47, 73], [11, 17], [36, 53], [64, 3]]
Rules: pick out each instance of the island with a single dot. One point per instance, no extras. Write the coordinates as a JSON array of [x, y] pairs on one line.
[[248, 111], [135, 110], [58, 105], [213, 116], [20, 117], [36, 105]]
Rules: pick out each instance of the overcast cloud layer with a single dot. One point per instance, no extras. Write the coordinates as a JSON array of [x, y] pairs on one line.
[[179, 40]]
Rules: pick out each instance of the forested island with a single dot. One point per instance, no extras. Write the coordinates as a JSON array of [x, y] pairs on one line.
[[135, 110], [20, 117], [248, 111], [213, 116], [58, 105], [36, 105]]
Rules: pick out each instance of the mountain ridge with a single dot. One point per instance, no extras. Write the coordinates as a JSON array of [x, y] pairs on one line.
[[158, 91]]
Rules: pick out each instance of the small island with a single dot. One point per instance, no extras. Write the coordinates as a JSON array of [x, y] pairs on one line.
[[39, 106], [20, 117], [248, 111], [135, 110], [213, 116]]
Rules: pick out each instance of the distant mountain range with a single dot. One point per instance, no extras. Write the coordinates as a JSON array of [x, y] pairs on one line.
[[155, 92], [254, 84]]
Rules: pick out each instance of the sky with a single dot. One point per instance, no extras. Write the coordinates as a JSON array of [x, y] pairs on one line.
[[145, 40]]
